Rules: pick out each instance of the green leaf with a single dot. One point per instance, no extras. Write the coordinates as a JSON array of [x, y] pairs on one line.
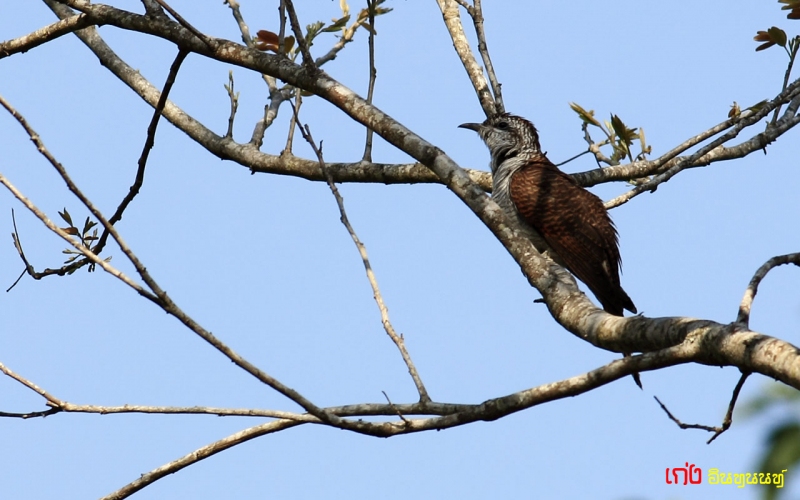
[[777, 35], [312, 30], [88, 225], [65, 215], [586, 116], [368, 27], [338, 25]]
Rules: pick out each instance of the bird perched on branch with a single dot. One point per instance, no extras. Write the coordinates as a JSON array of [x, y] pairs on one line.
[[563, 220]]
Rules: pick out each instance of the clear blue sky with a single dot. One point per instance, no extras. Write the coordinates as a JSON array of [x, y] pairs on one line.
[[263, 262]]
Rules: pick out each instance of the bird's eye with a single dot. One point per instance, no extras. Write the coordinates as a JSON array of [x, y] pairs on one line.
[[502, 125]]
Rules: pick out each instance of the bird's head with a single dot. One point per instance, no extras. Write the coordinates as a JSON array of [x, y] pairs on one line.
[[506, 136]]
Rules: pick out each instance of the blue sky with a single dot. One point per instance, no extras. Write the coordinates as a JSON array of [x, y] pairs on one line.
[[263, 262]]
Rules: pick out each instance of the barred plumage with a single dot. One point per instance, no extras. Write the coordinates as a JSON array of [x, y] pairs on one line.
[[563, 220]]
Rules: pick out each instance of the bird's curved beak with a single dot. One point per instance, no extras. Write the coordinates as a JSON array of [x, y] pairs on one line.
[[471, 126]]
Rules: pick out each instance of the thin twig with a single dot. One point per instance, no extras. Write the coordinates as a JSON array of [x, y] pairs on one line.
[[362, 250], [234, 98], [792, 56], [373, 74], [200, 454], [211, 44], [743, 318], [477, 19], [148, 146], [237, 15], [44, 35], [452, 20], [298, 101], [51, 400], [573, 158], [308, 61], [726, 422], [399, 414]]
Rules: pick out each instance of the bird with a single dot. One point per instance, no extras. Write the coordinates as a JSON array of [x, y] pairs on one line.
[[564, 221]]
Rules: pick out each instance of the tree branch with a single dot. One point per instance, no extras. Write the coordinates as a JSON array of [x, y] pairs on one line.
[[362, 251], [743, 318], [452, 19], [44, 35]]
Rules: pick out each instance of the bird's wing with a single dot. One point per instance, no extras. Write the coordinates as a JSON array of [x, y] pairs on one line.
[[575, 224]]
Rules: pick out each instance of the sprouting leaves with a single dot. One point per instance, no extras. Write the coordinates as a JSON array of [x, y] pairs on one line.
[[776, 36], [338, 25], [624, 137], [619, 136], [793, 6], [773, 36], [269, 41], [85, 236], [586, 116]]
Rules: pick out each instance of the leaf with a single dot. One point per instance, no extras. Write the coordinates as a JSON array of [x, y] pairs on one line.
[[345, 8], [266, 40], [70, 230], [65, 215], [368, 27], [626, 135], [777, 35], [288, 44], [645, 147], [773, 36], [338, 25], [793, 6], [586, 116], [312, 30], [88, 225]]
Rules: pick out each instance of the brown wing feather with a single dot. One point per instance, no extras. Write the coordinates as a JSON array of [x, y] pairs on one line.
[[576, 225]]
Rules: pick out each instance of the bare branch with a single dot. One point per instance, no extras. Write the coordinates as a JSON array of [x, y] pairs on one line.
[[452, 19], [792, 56], [203, 37], [234, 98], [726, 422], [308, 61], [237, 15], [148, 146], [198, 455], [373, 74], [362, 251], [743, 318], [477, 19], [44, 35], [51, 400]]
